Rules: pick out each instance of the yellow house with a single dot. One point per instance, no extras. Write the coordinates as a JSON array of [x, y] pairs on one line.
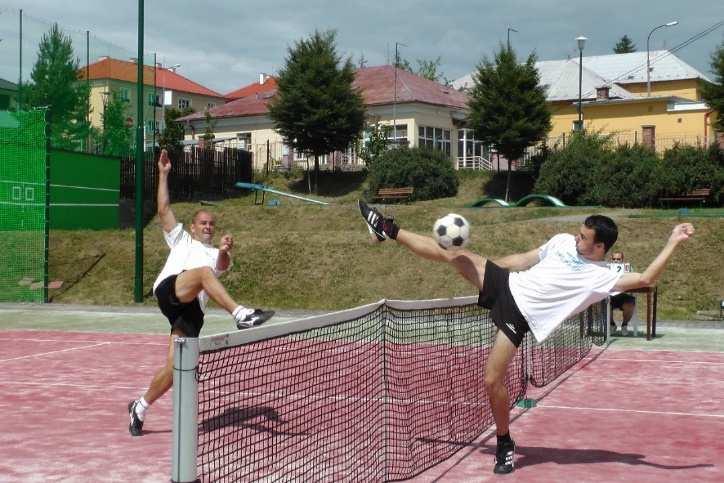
[[162, 88], [617, 98]]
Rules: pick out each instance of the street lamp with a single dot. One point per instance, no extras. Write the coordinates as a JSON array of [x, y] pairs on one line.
[[510, 29], [648, 67], [581, 40], [394, 100]]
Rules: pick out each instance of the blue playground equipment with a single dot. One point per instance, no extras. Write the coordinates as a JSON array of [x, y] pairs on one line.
[[547, 199], [261, 188]]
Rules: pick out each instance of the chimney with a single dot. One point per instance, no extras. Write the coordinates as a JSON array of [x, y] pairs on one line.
[[103, 57], [602, 93], [134, 60], [262, 78]]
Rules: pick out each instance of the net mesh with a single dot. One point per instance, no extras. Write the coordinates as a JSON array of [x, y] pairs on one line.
[[22, 206], [379, 397]]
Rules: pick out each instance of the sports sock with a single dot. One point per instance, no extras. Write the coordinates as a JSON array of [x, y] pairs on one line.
[[240, 312], [141, 408]]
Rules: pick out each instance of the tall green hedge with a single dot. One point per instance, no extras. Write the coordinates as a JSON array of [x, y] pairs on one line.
[[591, 170], [430, 172]]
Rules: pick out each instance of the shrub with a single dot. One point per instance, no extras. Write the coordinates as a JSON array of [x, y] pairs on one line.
[[430, 172], [628, 178], [570, 173], [685, 168]]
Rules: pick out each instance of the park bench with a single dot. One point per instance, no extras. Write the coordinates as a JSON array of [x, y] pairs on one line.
[[699, 194], [403, 193]]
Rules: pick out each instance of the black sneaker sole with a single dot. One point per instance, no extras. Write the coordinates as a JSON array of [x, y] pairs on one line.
[[362, 207]]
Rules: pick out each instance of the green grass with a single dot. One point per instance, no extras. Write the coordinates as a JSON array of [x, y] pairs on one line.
[[305, 256]]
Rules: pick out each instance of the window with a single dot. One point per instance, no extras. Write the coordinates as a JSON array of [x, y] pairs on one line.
[[210, 105], [244, 140], [434, 138], [184, 103], [397, 135], [151, 126], [154, 99], [124, 94]]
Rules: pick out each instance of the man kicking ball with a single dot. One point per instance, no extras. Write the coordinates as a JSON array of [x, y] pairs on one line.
[[535, 290], [184, 286]]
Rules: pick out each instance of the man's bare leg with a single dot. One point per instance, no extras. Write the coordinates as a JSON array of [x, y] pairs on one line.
[[467, 263], [495, 371], [191, 282], [163, 380]]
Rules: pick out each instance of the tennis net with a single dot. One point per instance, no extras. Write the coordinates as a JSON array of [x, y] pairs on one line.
[[376, 393]]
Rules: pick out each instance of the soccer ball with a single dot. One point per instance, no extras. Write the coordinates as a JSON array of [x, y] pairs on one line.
[[452, 231]]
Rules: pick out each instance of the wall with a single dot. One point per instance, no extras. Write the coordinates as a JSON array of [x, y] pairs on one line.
[[84, 191]]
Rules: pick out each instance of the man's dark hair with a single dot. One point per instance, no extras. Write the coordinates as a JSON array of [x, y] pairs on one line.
[[604, 229]]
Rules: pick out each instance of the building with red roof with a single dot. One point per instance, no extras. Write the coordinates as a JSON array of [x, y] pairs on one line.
[[419, 112], [163, 87]]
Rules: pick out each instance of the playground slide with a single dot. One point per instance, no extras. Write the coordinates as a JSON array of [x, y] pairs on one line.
[[261, 187]]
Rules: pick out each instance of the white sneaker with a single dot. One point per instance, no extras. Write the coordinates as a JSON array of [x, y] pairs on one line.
[[247, 318]]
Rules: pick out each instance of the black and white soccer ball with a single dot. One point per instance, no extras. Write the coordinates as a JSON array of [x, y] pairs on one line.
[[452, 231]]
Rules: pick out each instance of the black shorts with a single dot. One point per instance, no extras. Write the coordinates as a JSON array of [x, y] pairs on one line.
[[617, 301], [188, 317], [496, 296]]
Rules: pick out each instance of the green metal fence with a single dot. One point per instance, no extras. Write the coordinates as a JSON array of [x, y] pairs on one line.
[[23, 214]]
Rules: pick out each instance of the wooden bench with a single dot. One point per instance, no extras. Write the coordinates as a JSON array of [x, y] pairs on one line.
[[394, 193], [699, 194]]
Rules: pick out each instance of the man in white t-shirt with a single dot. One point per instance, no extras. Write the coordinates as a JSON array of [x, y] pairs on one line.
[[535, 290], [187, 280]]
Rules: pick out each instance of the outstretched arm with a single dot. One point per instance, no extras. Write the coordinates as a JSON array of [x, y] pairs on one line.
[[168, 220], [519, 261], [652, 273]]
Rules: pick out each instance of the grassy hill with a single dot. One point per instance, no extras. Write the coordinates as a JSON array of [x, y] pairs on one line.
[[299, 255]]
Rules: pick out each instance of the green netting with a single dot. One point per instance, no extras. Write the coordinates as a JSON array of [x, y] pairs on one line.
[[22, 206]]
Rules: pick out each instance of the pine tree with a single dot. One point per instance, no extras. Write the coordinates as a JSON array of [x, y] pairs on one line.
[[507, 107], [54, 85], [624, 46], [317, 109], [713, 93]]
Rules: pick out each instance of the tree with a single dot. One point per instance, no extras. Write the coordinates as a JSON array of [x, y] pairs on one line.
[[116, 136], [507, 107], [210, 127], [173, 132], [317, 109], [624, 46], [429, 69], [54, 85], [376, 143], [713, 93]]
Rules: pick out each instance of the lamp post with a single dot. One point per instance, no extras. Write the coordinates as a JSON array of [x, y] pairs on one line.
[[394, 100], [648, 67], [510, 29], [581, 40]]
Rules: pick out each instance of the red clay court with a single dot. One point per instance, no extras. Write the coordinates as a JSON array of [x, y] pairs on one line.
[[618, 415]]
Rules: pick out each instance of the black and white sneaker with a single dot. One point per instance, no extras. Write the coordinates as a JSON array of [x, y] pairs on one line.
[[135, 427], [504, 458], [253, 318], [374, 219]]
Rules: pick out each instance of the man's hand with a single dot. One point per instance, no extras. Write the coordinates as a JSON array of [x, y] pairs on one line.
[[681, 232], [226, 244], [164, 163]]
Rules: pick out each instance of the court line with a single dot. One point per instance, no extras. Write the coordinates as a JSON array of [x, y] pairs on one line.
[[66, 384], [54, 352], [661, 360], [642, 411], [69, 341]]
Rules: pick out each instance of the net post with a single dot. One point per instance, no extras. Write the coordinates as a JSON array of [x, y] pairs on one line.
[[185, 410]]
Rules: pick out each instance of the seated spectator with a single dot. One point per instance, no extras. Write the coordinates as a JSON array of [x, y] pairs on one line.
[[624, 302]]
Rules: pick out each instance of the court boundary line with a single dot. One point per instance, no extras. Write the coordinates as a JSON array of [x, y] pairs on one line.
[[642, 411], [30, 356]]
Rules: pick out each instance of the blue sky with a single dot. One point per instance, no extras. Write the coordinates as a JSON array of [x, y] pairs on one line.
[[226, 44]]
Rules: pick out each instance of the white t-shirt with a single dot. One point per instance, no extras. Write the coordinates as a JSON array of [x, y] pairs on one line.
[[562, 284], [187, 253]]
